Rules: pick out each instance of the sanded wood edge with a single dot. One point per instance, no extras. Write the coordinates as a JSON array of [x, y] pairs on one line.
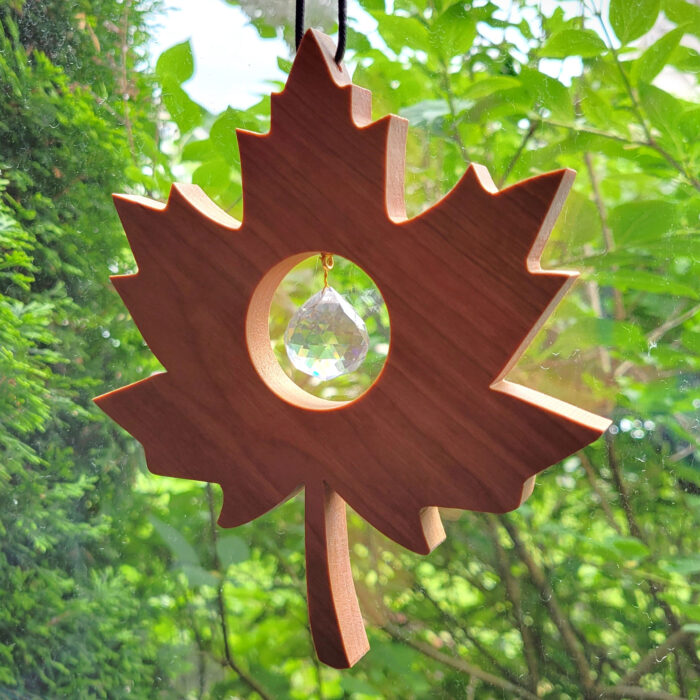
[[334, 612], [260, 349], [181, 195], [433, 528], [573, 414], [566, 180]]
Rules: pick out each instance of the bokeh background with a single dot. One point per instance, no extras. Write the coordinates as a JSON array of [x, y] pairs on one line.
[[115, 583]]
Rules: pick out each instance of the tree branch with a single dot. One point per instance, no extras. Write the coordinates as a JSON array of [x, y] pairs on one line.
[[243, 675], [607, 233], [655, 656], [598, 198], [658, 333], [459, 664], [556, 613], [627, 691], [516, 157], [455, 625], [124, 78], [578, 128], [513, 593], [636, 531], [680, 679], [636, 108], [632, 524], [628, 86], [453, 110], [592, 479]]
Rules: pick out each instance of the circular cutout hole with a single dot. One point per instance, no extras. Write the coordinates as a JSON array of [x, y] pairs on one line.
[[331, 342]]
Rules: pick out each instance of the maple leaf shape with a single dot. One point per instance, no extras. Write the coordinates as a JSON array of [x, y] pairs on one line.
[[465, 292]]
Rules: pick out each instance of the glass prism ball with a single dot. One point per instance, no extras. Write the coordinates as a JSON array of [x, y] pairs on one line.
[[326, 336]]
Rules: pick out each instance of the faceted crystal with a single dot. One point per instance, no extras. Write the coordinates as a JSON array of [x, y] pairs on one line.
[[326, 337]]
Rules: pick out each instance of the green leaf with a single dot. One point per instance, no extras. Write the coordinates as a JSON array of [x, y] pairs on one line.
[[223, 134], [176, 63], [578, 223], [231, 549], [487, 86], [635, 223], [213, 176], [223, 130], [573, 42], [682, 12], [684, 58], [602, 332], [404, 32], [690, 125], [630, 19], [691, 340], [265, 30], [185, 112], [650, 63], [683, 565], [351, 684], [453, 32], [548, 93], [373, 6], [425, 112], [693, 627], [183, 551], [357, 41], [630, 547], [198, 576], [663, 109], [198, 150], [645, 281]]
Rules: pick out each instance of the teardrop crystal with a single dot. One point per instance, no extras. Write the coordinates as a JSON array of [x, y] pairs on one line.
[[326, 336]]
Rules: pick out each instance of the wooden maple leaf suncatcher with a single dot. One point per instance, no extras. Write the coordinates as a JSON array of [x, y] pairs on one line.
[[465, 293]]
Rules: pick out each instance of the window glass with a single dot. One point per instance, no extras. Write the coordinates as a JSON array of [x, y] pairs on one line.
[[115, 582]]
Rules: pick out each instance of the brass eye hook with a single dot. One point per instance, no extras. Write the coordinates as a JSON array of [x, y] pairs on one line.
[[327, 262]]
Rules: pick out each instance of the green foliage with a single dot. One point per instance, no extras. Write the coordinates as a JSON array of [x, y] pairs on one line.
[[70, 625], [633, 18], [573, 42], [118, 583], [174, 67]]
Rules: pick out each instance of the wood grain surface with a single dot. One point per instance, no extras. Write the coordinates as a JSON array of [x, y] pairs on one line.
[[442, 426]]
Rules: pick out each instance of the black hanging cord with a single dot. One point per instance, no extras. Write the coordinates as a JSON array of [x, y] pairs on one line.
[[342, 27], [299, 24], [342, 30]]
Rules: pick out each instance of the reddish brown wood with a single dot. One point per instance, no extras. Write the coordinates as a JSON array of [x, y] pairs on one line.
[[442, 426], [334, 613]]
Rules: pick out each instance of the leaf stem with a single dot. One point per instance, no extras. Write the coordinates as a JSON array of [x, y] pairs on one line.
[[516, 156], [693, 181], [453, 110], [636, 108]]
